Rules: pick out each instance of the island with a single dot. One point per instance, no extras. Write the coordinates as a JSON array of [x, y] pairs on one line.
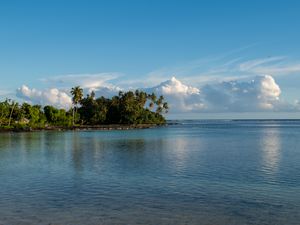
[[127, 110]]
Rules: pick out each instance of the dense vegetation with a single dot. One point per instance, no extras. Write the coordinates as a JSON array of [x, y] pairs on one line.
[[126, 108]]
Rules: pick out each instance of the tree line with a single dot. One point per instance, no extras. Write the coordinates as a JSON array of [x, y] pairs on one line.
[[132, 107]]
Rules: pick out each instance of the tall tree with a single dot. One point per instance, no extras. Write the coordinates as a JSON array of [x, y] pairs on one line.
[[13, 105], [77, 94]]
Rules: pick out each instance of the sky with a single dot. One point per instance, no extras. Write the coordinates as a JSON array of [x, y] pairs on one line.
[[211, 59]]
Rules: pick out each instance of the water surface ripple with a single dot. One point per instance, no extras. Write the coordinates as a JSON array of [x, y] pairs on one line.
[[196, 172]]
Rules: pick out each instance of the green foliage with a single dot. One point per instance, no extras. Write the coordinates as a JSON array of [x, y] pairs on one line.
[[125, 108], [13, 115], [33, 115], [4, 113], [58, 117]]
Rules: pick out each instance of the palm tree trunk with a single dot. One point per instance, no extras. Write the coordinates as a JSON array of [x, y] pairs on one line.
[[73, 116], [12, 110], [76, 109]]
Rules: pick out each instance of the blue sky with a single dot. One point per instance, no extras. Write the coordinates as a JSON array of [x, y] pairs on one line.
[[135, 42]]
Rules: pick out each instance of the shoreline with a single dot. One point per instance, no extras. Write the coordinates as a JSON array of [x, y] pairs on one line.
[[84, 128]]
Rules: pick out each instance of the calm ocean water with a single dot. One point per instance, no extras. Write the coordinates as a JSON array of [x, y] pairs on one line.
[[196, 172]]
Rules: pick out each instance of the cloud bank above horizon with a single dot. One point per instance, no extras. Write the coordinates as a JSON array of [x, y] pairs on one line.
[[53, 96], [257, 94]]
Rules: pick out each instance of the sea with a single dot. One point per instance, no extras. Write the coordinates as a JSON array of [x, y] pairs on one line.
[[210, 172]]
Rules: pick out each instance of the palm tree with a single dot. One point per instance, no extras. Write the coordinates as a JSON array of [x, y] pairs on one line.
[[152, 97], [166, 107], [159, 104], [11, 112], [77, 94], [160, 100]]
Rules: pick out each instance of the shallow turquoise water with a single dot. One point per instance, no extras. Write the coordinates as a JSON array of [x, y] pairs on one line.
[[197, 172]]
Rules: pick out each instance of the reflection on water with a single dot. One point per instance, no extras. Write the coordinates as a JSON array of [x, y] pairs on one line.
[[77, 152], [271, 149], [207, 172], [180, 151]]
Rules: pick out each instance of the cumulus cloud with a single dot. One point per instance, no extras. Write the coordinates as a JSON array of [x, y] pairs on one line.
[[52, 96], [60, 98], [181, 98], [99, 83], [258, 94]]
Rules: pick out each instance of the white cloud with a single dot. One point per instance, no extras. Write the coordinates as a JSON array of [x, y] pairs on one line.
[[100, 83], [86, 81], [60, 98], [278, 70], [250, 64], [106, 91], [256, 95], [259, 94], [174, 86], [52, 96], [181, 98]]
